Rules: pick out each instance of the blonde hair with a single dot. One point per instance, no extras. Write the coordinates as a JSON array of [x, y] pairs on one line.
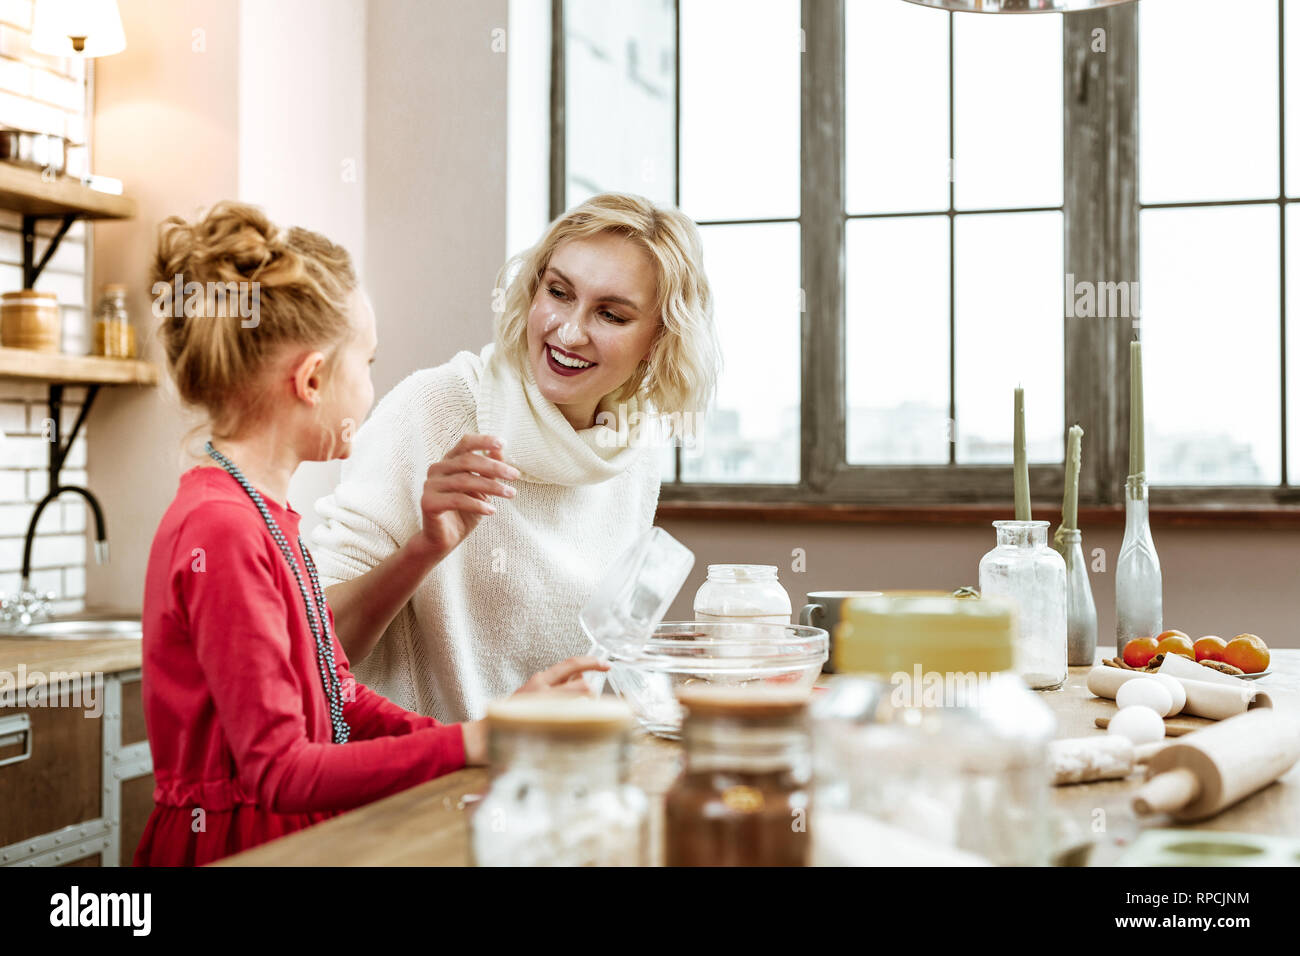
[[681, 371], [300, 281]]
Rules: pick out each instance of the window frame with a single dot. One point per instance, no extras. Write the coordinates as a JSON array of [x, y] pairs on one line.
[[1101, 211]]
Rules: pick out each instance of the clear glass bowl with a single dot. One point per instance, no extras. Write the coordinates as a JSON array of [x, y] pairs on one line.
[[692, 652]]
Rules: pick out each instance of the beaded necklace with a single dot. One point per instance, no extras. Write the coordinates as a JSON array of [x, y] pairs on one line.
[[316, 617]]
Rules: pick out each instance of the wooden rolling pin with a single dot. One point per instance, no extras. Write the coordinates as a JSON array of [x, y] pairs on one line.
[[1207, 771], [1085, 759], [1216, 698]]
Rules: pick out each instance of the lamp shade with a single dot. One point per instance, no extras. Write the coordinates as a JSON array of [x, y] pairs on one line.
[[77, 28], [1017, 6]]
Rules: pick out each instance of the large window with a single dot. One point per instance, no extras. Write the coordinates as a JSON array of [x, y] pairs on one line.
[[893, 199], [951, 266], [1214, 220]]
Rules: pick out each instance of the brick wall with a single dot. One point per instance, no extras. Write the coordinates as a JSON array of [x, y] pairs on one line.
[[46, 94]]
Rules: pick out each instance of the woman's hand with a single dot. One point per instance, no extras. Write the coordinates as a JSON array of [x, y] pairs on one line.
[[564, 677], [457, 490]]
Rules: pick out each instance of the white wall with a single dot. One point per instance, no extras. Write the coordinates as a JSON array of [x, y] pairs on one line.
[[281, 94], [302, 140], [436, 180], [49, 95], [528, 124], [1216, 581], [166, 123]]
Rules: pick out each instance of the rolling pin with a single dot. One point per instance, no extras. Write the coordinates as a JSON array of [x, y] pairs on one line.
[[1198, 776], [1085, 759], [1209, 698]]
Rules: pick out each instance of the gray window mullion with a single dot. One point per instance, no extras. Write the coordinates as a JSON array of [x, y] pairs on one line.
[[822, 445], [559, 163], [1101, 234]]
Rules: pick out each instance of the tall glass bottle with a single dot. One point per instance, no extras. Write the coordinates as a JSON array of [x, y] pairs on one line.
[[1080, 609], [1023, 568], [1138, 584]]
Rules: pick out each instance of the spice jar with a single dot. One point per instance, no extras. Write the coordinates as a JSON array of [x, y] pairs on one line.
[[30, 320], [742, 798], [746, 593], [559, 795], [114, 334], [928, 749]]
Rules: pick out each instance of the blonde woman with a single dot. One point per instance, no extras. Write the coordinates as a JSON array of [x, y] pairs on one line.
[[607, 320]]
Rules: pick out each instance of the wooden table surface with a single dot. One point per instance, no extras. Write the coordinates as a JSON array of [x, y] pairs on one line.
[[30, 661], [427, 825]]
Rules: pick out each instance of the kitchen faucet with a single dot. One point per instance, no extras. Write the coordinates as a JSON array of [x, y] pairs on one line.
[[29, 606]]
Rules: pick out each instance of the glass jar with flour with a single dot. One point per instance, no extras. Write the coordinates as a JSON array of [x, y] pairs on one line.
[[743, 593]]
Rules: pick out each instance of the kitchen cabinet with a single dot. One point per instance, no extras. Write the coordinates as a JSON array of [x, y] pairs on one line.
[[76, 778]]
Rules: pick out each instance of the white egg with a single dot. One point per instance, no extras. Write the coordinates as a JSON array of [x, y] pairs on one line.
[[1177, 689], [1145, 692], [1142, 725]]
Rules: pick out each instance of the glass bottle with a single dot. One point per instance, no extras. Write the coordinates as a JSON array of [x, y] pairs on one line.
[[746, 593], [1138, 585], [114, 334], [927, 748], [559, 794], [1080, 609], [1022, 567], [743, 797]]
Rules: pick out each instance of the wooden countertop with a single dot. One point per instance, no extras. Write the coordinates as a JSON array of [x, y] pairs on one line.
[[30, 661], [427, 825]]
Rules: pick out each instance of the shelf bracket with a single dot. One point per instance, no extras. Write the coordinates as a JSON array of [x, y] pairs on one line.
[[31, 268]]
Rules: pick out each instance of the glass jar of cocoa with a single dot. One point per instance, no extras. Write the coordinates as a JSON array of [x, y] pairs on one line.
[[743, 796]]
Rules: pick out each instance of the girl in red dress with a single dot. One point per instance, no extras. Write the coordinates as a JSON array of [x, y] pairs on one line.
[[256, 725]]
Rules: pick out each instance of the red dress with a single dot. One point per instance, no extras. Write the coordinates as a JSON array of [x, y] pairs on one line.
[[234, 704]]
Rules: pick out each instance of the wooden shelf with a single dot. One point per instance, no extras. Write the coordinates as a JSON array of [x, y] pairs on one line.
[[23, 190], [53, 368]]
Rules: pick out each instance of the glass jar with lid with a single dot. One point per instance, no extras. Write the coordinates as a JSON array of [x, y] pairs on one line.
[[744, 593], [559, 794], [743, 796], [1025, 570], [928, 749]]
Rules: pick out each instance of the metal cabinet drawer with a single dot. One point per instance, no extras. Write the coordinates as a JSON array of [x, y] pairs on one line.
[[59, 783]]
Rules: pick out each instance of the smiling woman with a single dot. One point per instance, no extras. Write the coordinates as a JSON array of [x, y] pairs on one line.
[[606, 328]]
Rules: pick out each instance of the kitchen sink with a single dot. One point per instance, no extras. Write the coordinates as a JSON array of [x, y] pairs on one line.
[[83, 629]]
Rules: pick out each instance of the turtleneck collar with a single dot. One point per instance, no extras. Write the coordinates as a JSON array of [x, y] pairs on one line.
[[539, 440]]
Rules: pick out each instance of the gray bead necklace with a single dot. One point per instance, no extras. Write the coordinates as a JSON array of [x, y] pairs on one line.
[[316, 616]]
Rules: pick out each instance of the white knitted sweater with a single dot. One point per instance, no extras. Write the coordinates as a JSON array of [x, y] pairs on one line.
[[504, 604]]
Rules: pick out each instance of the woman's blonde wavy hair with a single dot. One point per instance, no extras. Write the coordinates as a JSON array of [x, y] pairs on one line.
[[303, 282], [680, 374]]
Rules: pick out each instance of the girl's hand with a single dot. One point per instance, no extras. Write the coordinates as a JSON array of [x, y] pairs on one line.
[[564, 677], [476, 742], [457, 490]]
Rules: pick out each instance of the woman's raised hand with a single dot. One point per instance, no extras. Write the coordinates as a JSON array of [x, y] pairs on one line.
[[458, 489]]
